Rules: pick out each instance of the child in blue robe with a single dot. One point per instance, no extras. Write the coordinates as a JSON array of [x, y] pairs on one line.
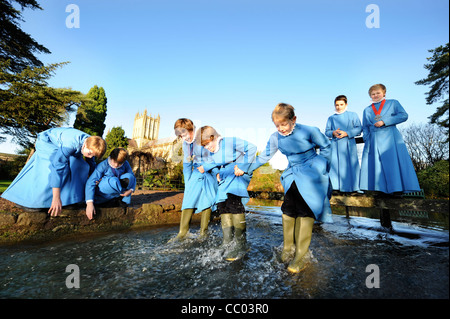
[[386, 165], [56, 173], [306, 183], [342, 127], [112, 179], [232, 195], [199, 189]]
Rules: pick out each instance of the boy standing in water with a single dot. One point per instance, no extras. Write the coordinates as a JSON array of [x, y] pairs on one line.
[[200, 189], [305, 181], [232, 195]]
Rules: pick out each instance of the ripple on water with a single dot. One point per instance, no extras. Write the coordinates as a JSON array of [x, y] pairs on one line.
[[142, 264]]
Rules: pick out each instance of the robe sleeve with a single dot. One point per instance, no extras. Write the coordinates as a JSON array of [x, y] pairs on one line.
[[396, 116], [267, 154], [328, 128], [187, 164], [365, 127], [323, 142], [212, 166], [248, 152], [59, 162], [355, 128], [207, 159], [98, 173], [128, 169]]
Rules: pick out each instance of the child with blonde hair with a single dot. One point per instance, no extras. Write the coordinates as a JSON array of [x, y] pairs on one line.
[[112, 179], [232, 195], [199, 189], [305, 181], [386, 165], [56, 174]]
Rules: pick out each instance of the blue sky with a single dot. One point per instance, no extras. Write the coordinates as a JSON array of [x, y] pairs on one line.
[[228, 63]]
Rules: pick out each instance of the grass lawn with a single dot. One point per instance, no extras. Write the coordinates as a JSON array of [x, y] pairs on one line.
[[4, 185]]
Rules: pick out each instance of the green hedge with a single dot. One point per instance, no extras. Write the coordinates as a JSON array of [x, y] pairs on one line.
[[434, 180]]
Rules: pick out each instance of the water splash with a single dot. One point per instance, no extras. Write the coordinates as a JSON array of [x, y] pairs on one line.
[[142, 264]]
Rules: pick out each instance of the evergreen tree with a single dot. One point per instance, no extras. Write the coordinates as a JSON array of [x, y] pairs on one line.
[[28, 106], [438, 77], [115, 138], [15, 45], [91, 114]]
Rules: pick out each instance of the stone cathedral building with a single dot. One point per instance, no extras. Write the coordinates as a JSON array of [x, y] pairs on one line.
[[145, 128], [147, 150]]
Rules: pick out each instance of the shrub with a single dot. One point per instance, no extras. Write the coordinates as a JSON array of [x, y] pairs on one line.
[[434, 180], [266, 181], [11, 167]]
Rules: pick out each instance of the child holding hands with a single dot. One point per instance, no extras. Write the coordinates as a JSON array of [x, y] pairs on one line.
[[232, 195], [200, 189]]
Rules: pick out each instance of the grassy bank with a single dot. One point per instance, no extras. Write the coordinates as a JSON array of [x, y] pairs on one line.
[[266, 179], [4, 185]]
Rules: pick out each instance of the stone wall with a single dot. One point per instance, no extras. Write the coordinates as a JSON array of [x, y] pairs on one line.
[[155, 154], [21, 226]]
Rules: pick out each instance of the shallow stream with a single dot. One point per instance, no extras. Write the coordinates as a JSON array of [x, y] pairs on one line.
[[412, 263]]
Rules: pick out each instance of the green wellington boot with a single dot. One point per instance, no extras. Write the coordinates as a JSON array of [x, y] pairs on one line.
[[288, 238], [303, 239], [227, 228], [185, 220], [206, 216], [240, 238]]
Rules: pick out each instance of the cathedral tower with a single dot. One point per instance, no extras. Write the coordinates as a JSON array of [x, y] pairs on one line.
[[145, 128]]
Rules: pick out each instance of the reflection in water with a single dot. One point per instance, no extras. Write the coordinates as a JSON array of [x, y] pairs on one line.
[[141, 264]]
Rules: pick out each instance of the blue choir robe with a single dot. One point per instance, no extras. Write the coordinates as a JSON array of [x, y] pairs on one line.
[[56, 163], [199, 189], [308, 169], [109, 186], [232, 151], [345, 170], [386, 165]]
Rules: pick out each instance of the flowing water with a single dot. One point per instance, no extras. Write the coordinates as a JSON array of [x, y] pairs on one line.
[[412, 263]]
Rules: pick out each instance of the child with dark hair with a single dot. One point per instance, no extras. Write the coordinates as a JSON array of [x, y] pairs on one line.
[[342, 127], [112, 179]]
